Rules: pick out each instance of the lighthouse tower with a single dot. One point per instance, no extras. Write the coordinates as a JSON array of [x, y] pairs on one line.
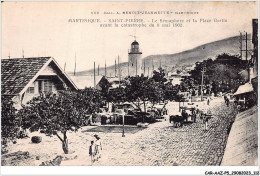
[[134, 60]]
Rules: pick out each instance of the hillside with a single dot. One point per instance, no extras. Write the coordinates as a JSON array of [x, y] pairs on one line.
[[209, 50]]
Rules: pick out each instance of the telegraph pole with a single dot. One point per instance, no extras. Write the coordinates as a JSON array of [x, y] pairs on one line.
[[115, 67], [75, 66], [128, 69], [98, 70], [105, 68], [246, 50], [144, 67], [241, 45], [119, 72], [153, 67], [65, 67], [246, 46], [203, 71], [94, 75]]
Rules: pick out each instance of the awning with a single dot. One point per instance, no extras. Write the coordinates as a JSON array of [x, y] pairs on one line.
[[246, 88]]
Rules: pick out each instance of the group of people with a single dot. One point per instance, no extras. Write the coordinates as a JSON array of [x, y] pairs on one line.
[[195, 112], [95, 149]]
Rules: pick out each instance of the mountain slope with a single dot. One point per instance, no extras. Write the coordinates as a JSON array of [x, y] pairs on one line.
[[209, 50]]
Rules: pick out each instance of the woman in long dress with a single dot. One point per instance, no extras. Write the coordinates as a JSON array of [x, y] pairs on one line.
[[98, 146]]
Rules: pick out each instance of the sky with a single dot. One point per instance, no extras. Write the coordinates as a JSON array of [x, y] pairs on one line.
[[43, 29]]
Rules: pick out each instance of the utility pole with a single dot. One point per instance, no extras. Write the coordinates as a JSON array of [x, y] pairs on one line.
[[203, 71], [64, 66], [105, 68], [246, 46], [128, 69], [115, 67], [144, 67], [9, 55], [98, 70], [119, 72], [94, 75], [75, 66], [23, 53], [152, 68], [246, 50], [241, 45]]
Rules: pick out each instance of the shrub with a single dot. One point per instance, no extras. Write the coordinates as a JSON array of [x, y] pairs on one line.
[[36, 139]]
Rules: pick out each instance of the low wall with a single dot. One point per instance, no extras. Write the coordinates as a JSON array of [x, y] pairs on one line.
[[242, 144]]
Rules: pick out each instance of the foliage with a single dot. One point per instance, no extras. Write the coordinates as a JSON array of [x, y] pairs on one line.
[[54, 114], [159, 76], [222, 74], [116, 95], [9, 120], [136, 89], [104, 84], [141, 90]]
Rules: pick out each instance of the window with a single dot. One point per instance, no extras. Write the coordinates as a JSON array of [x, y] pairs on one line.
[[30, 89], [40, 86], [47, 86]]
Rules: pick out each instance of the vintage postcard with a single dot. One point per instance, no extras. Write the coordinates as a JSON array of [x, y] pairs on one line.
[[130, 84]]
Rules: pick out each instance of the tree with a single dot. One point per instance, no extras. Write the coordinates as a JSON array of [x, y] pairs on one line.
[[9, 122], [170, 92], [159, 76], [140, 89], [105, 85], [57, 114], [222, 74], [116, 95]]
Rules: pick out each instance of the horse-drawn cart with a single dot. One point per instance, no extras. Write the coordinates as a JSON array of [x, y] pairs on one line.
[[177, 120], [205, 114]]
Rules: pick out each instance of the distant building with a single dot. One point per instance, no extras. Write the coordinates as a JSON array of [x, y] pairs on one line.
[[83, 82], [25, 78], [114, 82], [134, 60]]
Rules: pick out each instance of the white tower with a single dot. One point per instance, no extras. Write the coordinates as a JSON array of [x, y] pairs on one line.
[[134, 60]]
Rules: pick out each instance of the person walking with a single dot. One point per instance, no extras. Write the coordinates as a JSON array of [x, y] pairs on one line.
[[208, 100], [92, 152], [205, 121], [98, 146], [194, 114], [185, 115], [227, 102]]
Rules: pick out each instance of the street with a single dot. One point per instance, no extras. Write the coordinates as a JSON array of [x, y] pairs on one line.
[[160, 144], [163, 145]]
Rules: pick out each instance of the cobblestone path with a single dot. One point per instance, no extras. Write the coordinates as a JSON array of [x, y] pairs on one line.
[[163, 145]]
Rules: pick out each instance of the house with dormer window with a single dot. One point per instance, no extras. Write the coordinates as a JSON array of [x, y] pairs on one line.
[[25, 78]]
